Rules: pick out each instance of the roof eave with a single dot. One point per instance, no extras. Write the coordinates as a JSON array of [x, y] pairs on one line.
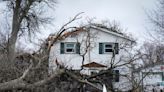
[[113, 33]]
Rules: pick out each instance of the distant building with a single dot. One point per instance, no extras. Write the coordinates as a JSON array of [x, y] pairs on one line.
[[152, 77]]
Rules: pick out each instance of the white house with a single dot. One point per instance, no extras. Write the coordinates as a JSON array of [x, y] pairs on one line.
[[92, 48], [152, 77]]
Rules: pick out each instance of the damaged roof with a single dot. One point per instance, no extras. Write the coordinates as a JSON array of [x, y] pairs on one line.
[[111, 30]]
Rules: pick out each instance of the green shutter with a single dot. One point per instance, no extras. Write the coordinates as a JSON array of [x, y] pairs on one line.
[[61, 48], [116, 48], [117, 75], [100, 48], [162, 76], [78, 48]]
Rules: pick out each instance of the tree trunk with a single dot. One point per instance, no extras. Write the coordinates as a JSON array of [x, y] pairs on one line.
[[14, 34]]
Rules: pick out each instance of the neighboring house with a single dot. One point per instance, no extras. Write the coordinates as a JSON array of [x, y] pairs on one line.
[[152, 77], [91, 48]]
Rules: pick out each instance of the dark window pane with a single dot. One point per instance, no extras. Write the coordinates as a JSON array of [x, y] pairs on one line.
[[69, 50], [108, 50], [108, 46]]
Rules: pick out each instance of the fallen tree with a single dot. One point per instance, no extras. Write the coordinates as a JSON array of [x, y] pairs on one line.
[[33, 69], [37, 61]]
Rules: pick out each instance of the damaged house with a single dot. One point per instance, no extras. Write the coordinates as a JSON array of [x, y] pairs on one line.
[[91, 49]]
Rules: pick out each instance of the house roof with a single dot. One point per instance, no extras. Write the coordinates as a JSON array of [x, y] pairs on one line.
[[111, 31], [94, 64], [66, 34], [98, 27]]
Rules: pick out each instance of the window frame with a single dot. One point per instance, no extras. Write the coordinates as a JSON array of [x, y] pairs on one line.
[[104, 47], [65, 47]]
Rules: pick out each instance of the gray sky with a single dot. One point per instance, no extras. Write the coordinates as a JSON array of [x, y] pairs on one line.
[[130, 13]]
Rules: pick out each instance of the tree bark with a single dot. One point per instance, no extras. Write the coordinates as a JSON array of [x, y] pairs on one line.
[[21, 84], [15, 29]]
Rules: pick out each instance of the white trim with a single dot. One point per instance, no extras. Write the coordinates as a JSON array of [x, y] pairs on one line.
[[106, 43], [65, 47]]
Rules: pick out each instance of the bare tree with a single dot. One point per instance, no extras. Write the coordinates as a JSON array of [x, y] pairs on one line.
[[26, 17], [152, 53], [156, 17], [36, 62]]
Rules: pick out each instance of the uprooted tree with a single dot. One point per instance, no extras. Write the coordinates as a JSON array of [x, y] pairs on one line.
[[31, 74], [18, 76], [28, 72]]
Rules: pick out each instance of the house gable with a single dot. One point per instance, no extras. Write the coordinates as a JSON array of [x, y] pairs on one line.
[[114, 33], [94, 65]]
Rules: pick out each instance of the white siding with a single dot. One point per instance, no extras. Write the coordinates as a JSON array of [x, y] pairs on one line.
[[74, 61]]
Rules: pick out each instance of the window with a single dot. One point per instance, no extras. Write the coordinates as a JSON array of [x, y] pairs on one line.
[[70, 48], [108, 48], [105, 48]]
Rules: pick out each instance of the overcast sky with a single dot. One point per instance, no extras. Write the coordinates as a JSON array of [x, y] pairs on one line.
[[130, 13]]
